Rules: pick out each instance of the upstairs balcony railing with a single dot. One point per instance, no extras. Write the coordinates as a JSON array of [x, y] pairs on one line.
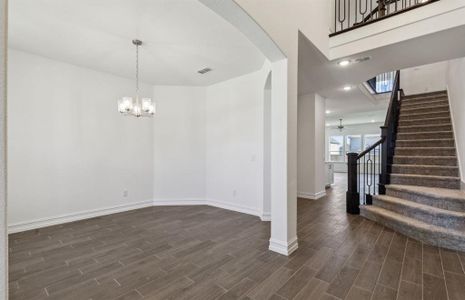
[[351, 14]]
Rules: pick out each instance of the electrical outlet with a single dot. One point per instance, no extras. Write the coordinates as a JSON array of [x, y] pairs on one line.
[[125, 193]]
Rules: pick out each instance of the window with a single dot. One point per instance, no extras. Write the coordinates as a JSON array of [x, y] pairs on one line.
[[370, 139], [336, 148], [354, 143], [340, 145]]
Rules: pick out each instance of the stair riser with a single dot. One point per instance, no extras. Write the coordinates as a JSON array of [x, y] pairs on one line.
[[423, 110], [425, 122], [426, 95], [429, 237], [437, 161], [425, 151], [426, 103], [438, 127], [443, 220], [427, 143], [424, 136], [409, 117], [420, 99], [451, 172], [444, 203], [428, 182]]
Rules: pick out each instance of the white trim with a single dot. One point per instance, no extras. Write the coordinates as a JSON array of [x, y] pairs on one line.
[[178, 202], [459, 158], [233, 207], [311, 196], [284, 248], [265, 216], [210, 202], [66, 218]]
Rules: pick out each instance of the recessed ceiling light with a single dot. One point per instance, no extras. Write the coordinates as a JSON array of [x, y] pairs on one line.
[[328, 112], [347, 88], [372, 121], [344, 63]]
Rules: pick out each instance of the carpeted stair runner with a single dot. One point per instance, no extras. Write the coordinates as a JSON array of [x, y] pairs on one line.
[[424, 200]]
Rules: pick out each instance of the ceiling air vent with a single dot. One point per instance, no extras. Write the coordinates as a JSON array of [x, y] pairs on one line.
[[362, 59], [204, 71]]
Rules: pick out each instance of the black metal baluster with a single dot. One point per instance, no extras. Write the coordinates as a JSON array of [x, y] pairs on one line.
[[348, 14]]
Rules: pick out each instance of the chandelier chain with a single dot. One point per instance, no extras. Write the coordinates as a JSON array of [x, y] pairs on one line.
[[137, 69]]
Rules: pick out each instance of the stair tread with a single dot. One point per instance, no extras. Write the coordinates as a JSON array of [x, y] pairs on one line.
[[426, 119], [429, 132], [426, 156], [421, 147], [406, 104], [426, 176], [412, 222], [425, 113], [425, 166], [427, 94], [425, 140], [439, 193], [424, 107], [424, 125], [419, 206]]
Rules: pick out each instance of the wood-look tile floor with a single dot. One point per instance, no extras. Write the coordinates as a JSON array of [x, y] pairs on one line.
[[205, 253]]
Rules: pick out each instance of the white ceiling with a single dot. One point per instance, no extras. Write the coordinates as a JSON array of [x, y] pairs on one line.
[[180, 37], [317, 74], [378, 116]]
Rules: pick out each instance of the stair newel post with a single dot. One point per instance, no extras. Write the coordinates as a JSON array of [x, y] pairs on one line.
[[352, 195]]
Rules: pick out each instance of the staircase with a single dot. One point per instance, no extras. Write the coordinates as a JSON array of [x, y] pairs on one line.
[[423, 199]]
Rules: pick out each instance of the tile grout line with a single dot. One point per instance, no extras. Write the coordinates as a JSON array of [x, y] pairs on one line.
[[365, 262], [402, 268], [422, 271], [443, 273], [382, 265]]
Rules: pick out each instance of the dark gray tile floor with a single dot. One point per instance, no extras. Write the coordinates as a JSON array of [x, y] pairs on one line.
[[204, 253]]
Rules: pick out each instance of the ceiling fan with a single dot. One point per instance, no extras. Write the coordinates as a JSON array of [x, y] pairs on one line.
[[340, 127]]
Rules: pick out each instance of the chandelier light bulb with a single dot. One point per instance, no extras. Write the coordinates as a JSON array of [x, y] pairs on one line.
[[134, 106]]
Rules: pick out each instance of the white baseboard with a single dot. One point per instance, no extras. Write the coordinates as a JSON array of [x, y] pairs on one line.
[[284, 248], [66, 218], [234, 207], [178, 202], [209, 202], [311, 196], [44, 222], [265, 216]]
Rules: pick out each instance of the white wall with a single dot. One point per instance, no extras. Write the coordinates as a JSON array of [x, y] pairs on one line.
[[3, 200], [235, 142], [311, 147], [209, 144], [179, 143], [69, 150], [424, 79], [456, 90]]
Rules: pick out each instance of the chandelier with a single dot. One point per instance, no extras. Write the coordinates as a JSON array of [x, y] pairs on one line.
[[136, 106]]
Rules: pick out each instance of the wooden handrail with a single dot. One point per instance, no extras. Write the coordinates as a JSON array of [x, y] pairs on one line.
[[371, 148], [366, 162]]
